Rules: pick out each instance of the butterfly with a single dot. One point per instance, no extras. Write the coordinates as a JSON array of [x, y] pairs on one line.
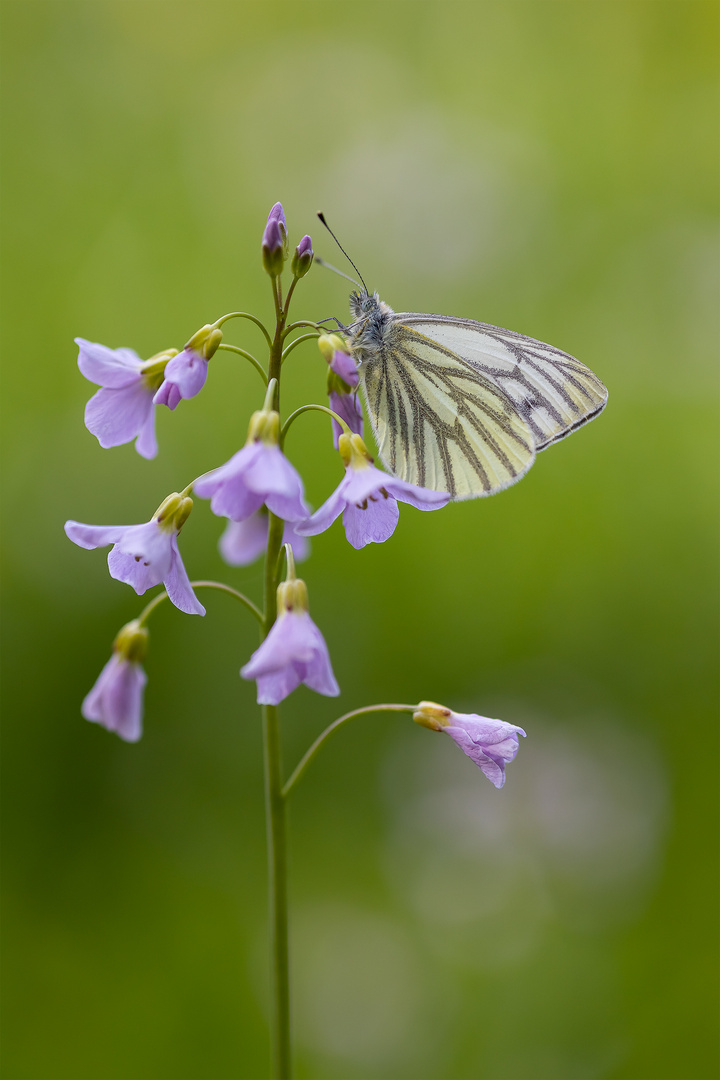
[[463, 406]]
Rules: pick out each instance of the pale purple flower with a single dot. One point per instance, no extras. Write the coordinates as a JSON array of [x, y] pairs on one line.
[[244, 541], [491, 744], [123, 409], [274, 241], [185, 377], [294, 652], [258, 474], [368, 498], [344, 366], [349, 408], [142, 556], [116, 699]]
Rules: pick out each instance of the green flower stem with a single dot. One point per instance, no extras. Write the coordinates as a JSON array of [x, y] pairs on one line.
[[244, 315], [304, 322], [312, 408], [274, 801], [248, 356], [219, 585], [298, 341], [329, 731]]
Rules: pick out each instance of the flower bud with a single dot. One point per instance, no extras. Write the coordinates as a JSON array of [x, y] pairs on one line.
[[303, 257], [353, 451], [329, 344], [156, 365], [264, 425], [205, 342], [292, 595], [431, 715], [131, 642], [173, 512], [275, 241]]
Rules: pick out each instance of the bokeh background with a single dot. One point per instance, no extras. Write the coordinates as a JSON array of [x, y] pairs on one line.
[[547, 166]]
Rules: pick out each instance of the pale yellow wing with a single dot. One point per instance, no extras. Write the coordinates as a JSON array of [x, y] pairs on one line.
[[554, 392], [439, 421]]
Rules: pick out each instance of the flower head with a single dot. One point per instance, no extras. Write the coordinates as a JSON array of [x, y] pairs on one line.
[[294, 651], [491, 744], [123, 409], [244, 541], [116, 699], [144, 555], [367, 498], [185, 374], [259, 473]]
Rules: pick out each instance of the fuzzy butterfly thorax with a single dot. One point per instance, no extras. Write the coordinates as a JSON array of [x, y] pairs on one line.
[[461, 406]]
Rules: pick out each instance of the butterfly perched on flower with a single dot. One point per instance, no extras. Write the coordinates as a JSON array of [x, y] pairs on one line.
[[463, 406]]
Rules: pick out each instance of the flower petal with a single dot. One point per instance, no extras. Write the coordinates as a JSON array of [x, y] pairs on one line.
[[324, 516], [146, 442], [117, 416], [178, 586], [93, 536], [116, 699], [372, 525], [107, 367], [244, 541], [419, 497]]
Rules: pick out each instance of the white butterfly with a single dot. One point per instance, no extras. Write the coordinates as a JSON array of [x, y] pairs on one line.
[[462, 406]]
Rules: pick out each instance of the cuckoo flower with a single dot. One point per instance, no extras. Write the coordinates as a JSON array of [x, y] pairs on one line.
[[367, 498], [186, 373], [259, 473], [244, 541], [294, 651], [275, 241], [123, 409], [116, 699], [491, 744], [302, 258], [144, 555]]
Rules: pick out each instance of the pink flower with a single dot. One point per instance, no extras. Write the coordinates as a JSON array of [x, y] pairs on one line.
[[185, 377], [144, 555], [491, 744], [123, 409], [367, 498], [244, 541], [258, 474], [294, 652], [116, 699]]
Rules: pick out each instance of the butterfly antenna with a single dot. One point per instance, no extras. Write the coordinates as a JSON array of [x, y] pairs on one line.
[[322, 218], [329, 266]]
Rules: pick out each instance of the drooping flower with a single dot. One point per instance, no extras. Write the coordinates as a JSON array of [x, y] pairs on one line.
[[258, 474], [116, 699], [186, 373], [123, 409], [294, 651], [491, 744], [367, 498], [144, 555], [342, 384], [244, 541]]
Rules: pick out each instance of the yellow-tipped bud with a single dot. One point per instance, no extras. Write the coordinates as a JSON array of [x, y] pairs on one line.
[[329, 344], [431, 715], [156, 365], [264, 425], [353, 451], [205, 342], [173, 512], [132, 641], [292, 595]]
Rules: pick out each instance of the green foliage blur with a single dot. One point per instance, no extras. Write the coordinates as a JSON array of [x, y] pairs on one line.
[[546, 166]]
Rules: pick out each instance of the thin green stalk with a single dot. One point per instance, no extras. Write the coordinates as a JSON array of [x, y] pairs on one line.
[[329, 731], [311, 408], [248, 356], [219, 585], [298, 341], [244, 315]]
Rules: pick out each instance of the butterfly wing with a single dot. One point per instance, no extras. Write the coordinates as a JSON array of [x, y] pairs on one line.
[[439, 421], [462, 406], [553, 391]]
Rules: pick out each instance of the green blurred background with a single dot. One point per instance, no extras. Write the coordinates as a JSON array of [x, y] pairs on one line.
[[547, 166]]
